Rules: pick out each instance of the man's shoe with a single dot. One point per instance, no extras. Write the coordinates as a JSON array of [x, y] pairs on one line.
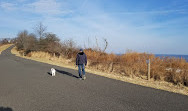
[[84, 77]]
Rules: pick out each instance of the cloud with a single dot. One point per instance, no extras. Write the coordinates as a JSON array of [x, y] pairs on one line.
[[41, 7], [154, 12], [8, 6], [50, 7]]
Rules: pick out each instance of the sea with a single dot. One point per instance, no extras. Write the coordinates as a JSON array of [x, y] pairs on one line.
[[170, 55], [173, 55]]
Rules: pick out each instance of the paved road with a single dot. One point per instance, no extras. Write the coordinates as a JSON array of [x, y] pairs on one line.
[[25, 85]]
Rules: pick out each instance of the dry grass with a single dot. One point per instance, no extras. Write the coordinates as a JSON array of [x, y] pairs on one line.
[[134, 64], [4, 47], [45, 58], [111, 70]]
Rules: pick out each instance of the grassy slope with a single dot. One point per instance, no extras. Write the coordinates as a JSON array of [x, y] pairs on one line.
[[3, 47], [153, 84]]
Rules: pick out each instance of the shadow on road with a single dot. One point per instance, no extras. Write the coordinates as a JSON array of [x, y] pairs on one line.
[[49, 73], [65, 73], [5, 109]]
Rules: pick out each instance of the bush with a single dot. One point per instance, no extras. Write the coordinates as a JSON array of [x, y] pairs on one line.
[[69, 48], [21, 40], [132, 64]]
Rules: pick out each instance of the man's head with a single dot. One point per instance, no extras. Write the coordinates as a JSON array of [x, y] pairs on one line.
[[81, 50]]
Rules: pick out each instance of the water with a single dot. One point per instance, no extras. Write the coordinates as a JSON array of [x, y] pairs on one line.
[[171, 55]]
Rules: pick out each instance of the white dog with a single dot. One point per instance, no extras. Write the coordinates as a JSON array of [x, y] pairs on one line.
[[53, 71]]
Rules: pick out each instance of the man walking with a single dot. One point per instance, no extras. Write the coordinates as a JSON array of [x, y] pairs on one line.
[[81, 62]]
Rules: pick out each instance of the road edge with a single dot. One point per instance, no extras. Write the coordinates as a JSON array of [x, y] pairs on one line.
[[4, 47]]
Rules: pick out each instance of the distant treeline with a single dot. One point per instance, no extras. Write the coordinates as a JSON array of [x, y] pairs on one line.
[[5, 41]]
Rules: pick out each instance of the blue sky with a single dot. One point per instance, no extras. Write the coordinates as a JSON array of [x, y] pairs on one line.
[[152, 26]]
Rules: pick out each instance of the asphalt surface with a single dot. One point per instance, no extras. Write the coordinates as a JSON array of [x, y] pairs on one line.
[[26, 85]]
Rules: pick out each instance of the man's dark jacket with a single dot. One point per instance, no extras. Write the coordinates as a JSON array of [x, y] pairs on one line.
[[81, 58]]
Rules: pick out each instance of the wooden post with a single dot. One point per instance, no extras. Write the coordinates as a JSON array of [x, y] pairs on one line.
[[149, 69]]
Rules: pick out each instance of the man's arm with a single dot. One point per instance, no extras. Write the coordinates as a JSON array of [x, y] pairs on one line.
[[77, 59], [85, 59]]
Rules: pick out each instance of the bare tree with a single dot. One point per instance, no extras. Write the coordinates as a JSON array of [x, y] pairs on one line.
[[30, 43], [89, 42], [97, 45], [21, 39], [70, 43], [52, 42], [50, 37], [40, 30], [106, 44], [100, 48], [69, 48]]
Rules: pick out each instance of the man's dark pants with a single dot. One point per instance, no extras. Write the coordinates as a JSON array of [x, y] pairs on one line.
[[81, 70]]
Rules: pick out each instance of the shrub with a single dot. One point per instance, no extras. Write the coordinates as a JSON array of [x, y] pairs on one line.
[[132, 64]]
